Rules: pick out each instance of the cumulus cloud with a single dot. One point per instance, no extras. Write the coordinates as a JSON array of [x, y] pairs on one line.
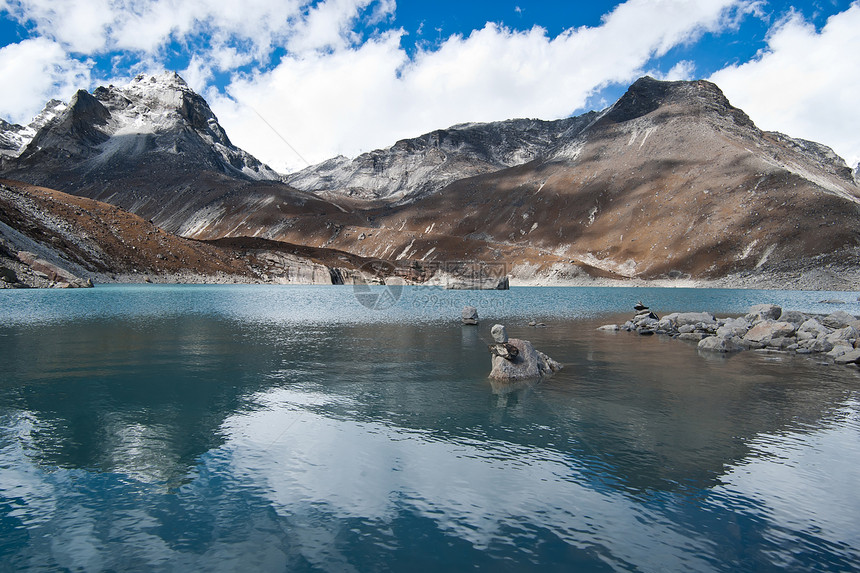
[[366, 95], [221, 35], [34, 71], [79, 25], [805, 83], [93, 26]]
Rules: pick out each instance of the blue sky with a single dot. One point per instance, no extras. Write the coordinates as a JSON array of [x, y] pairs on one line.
[[347, 76]]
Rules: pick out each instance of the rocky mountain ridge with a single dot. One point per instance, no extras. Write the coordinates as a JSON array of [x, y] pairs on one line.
[[14, 138], [153, 147], [671, 182], [419, 166]]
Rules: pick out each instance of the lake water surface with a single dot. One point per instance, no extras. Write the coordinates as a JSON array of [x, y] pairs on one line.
[[181, 428]]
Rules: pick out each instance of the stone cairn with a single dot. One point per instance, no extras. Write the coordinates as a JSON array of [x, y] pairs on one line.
[[515, 359], [764, 327]]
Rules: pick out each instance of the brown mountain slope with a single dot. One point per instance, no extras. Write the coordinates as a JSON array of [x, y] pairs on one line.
[[670, 181], [91, 239]]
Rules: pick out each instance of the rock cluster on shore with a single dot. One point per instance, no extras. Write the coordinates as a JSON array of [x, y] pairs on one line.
[[765, 326]]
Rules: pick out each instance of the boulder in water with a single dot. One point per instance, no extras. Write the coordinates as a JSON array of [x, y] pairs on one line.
[[528, 364], [470, 315]]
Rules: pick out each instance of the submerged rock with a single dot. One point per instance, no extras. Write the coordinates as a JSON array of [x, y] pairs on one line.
[[527, 364]]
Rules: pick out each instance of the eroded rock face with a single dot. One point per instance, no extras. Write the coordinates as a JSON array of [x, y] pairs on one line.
[[427, 163], [529, 364]]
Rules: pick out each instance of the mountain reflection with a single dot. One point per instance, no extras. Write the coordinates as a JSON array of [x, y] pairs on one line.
[[143, 398], [147, 398]]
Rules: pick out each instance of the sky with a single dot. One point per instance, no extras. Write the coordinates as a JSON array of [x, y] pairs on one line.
[[295, 82]]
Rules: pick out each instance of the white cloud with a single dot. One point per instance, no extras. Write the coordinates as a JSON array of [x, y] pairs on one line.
[[197, 75], [79, 25], [683, 70], [805, 83], [361, 96], [328, 25], [34, 71]]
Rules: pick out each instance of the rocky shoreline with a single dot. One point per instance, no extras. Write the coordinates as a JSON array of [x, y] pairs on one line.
[[811, 279], [765, 327]]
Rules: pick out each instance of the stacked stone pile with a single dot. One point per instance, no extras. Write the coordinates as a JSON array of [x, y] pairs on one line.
[[514, 359], [765, 326]]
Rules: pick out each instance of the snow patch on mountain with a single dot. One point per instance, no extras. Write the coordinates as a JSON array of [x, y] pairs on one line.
[[14, 138]]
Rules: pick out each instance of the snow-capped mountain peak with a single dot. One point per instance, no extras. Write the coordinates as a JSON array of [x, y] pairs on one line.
[[124, 127], [14, 138]]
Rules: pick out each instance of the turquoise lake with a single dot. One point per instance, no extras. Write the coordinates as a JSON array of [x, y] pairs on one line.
[[263, 428]]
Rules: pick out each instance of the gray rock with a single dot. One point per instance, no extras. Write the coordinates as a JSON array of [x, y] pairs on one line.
[[761, 312], [505, 350], [679, 319], [852, 357], [529, 364], [470, 315], [839, 351], [768, 330], [820, 345], [843, 335], [733, 327], [499, 334], [814, 327], [692, 336], [781, 343], [609, 328], [792, 316], [8, 275], [648, 323], [686, 329], [717, 344], [748, 344], [838, 319]]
